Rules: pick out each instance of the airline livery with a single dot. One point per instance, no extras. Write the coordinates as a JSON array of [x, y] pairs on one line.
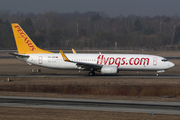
[[104, 63]]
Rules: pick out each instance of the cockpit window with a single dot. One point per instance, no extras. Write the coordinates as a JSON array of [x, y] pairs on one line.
[[164, 60]]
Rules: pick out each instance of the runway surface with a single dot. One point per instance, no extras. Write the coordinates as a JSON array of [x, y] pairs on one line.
[[96, 76], [87, 104]]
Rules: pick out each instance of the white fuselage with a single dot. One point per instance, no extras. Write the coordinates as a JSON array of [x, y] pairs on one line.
[[122, 61]]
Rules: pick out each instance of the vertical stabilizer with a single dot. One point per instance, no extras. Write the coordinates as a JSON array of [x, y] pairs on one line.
[[24, 44]]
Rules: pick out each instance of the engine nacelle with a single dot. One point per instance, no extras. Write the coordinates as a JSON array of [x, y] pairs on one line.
[[109, 70]]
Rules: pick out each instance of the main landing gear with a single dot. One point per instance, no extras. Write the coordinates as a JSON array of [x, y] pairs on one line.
[[91, 73]]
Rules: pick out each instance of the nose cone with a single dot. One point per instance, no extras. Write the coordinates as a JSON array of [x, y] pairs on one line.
[[171, 64]]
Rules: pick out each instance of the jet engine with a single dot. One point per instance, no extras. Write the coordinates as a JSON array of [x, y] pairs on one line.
[[109, 70]]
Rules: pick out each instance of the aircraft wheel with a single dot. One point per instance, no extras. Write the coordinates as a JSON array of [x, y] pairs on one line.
[[157, 74], [91, 73]]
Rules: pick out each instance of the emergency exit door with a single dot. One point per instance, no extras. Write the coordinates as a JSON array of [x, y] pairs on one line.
[[40, 60], [154, 61]]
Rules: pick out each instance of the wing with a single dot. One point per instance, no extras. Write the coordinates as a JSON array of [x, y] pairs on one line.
[[83, 65]]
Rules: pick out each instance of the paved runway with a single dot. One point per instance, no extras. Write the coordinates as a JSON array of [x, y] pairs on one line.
[[96, 76], [87, 104]]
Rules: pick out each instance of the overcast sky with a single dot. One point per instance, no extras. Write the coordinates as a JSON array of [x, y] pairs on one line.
[[110, 7]]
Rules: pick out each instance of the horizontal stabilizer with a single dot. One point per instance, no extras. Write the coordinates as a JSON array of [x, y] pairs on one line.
[[19, 55]]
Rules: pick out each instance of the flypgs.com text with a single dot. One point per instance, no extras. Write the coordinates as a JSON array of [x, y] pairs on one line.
[[101, 59]]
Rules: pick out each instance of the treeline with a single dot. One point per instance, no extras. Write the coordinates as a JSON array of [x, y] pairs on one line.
[[92, 30]]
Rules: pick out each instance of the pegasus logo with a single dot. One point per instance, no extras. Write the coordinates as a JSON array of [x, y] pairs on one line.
[[26, 39]]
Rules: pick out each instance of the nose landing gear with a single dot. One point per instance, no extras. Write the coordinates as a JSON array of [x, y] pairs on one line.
[[159, 71]]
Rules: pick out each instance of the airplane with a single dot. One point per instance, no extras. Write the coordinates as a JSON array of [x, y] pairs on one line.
[[103, 63]]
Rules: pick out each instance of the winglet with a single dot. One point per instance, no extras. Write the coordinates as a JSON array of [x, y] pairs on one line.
[[64, 56], [73, 51]]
